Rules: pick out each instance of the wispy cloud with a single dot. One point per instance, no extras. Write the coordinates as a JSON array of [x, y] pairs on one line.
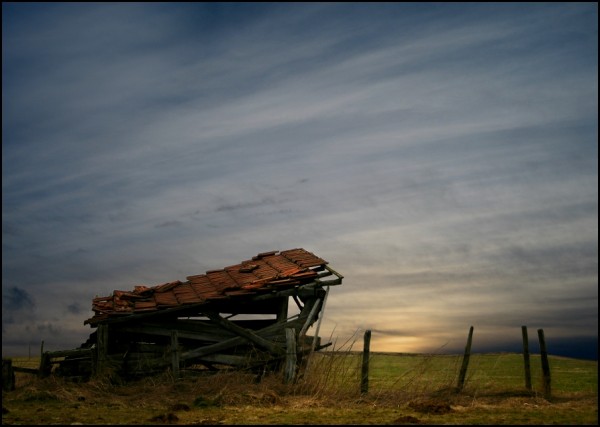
[[444, 159]]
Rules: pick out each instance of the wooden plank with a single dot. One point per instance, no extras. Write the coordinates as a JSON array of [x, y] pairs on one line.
[[78, 352], [226, 359], [26, 370]]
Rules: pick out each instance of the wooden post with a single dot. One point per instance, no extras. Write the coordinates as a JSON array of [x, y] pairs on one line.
[[175, 354], [102, 349], [526, 358], [290, 356], [465, 362], [364, 378], [282, 312], [545, 365], [45, 365], [8, 375]]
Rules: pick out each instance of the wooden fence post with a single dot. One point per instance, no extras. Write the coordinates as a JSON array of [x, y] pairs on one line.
[[526, 358], [45, 363], [465, 362], [290, 356], [364, 379], [545, 364], [8, 375]]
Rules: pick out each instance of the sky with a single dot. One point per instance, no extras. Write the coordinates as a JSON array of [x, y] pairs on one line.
[[443, 157]]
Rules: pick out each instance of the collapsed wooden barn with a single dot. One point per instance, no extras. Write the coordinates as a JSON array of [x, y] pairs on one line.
[[239, 316]]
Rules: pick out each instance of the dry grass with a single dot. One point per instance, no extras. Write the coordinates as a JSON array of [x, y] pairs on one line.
[[404, 389]]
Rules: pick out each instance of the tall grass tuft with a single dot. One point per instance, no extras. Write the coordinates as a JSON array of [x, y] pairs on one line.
[[331, 375]]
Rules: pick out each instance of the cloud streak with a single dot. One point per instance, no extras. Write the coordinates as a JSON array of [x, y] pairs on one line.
[[443, 159]]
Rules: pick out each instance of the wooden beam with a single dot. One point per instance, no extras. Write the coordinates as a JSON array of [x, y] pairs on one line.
[[78, 352], [246, 333], [224, 345], [339, 276], [311, 315], [300, 306], [26, 370], [225, 359]]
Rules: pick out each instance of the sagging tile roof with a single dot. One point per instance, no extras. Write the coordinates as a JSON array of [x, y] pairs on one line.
[[263, 273]]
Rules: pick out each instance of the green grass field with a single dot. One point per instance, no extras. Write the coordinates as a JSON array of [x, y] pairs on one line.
[[403, 389]]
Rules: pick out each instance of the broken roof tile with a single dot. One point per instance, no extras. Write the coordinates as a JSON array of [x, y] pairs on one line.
[[265, 272]]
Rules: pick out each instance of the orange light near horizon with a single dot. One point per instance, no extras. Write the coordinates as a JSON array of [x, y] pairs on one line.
[[391, 344]]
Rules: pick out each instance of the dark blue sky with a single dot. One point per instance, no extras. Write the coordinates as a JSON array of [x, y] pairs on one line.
[[442, 157]]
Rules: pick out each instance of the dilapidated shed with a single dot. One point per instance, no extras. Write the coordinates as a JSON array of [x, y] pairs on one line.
[[238, 316]]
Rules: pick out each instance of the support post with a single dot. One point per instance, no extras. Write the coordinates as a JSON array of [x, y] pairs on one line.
[[465, 362], [102, 349], [364, 378], [282, 312], [175, 354], [545, 365], [290, 356], [526, 358]]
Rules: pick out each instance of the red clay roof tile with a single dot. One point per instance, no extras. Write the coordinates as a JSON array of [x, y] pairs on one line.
[[264, 272]]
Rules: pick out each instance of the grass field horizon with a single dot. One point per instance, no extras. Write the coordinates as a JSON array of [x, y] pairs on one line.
[[404, 388]]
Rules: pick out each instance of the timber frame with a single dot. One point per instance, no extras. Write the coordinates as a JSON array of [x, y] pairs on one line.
[[254, 332]]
